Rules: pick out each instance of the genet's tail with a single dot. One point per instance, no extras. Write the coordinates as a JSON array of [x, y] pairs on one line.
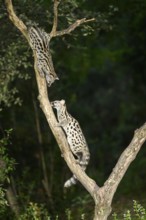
[[70, 182], [83, 163]]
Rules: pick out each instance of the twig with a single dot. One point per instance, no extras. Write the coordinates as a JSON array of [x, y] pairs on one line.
[[55, 22], [73, 26]]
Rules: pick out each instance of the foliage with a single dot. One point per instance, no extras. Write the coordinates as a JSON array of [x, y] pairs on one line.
[[13, 66], [34, 212], [3, 201], [138, 212], [7, 165]]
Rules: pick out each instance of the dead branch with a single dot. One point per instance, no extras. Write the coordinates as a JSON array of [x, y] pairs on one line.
[[73, 26], [54, 33], [125, 160], [55, 22], [15, 20], [103, 197]]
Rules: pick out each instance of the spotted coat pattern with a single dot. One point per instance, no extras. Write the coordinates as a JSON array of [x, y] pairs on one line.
[[39, 42], [75, 137]]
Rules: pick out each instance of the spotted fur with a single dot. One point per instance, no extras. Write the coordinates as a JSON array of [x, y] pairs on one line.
[[39, 41], [75, 137]]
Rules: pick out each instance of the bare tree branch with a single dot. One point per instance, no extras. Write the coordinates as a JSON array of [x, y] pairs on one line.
[[55, 22], [125, 160], [103, 197], [73, 26], [68, 30], [16, 21]]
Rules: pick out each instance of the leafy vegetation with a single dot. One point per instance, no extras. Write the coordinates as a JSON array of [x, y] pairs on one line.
[[7, 165], [138, 212]]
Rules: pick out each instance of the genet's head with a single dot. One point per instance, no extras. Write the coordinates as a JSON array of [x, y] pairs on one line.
[[58, 104]]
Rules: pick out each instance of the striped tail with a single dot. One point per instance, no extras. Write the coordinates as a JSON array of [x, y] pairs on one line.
[[70, 182], [83, 163]]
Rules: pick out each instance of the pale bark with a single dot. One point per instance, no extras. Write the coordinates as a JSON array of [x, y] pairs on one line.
[[102, 195]]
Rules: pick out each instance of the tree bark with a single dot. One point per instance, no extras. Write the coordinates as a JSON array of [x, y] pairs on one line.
[[101, 212]]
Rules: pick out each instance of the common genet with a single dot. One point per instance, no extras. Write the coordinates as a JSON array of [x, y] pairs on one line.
[[75, 137], [39, 42]]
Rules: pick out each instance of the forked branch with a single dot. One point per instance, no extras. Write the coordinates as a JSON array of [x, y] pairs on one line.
[[54, 33], [55, 22], [72, 27], [126, 158], [87, 182]]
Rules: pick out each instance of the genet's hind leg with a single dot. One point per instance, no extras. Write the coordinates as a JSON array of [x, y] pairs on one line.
[[79, 156], [49, 78], [82, 159]]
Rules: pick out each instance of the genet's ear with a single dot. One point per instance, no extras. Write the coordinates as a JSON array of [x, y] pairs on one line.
[[62, 102]]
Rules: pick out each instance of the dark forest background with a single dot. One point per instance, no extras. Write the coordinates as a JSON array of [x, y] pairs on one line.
[[102, 71]]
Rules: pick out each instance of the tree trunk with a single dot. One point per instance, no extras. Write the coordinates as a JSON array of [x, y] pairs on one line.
[[101, 211]]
